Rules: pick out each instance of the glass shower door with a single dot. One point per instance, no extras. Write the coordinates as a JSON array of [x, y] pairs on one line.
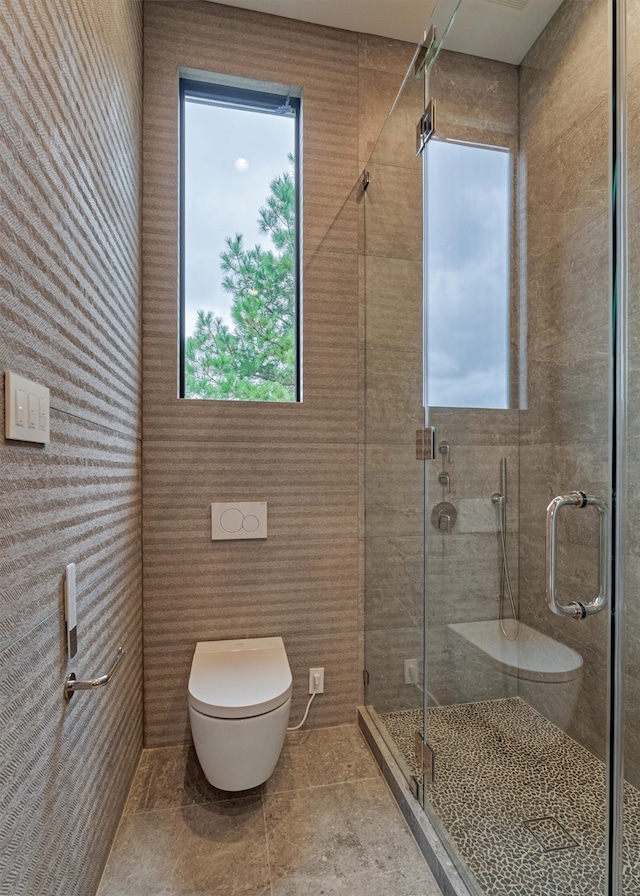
[[519, 369]]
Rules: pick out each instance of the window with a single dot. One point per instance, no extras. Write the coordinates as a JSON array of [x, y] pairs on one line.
[[468, 225], [239, 237]]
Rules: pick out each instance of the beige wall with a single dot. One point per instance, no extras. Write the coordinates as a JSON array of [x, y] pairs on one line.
[[70, 121], [565, 437], [304, 581]]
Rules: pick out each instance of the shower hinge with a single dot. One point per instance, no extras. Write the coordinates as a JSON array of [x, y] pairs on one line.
[[365, 676], [426, 127], [425, 758], [426, 443], [423, 52]]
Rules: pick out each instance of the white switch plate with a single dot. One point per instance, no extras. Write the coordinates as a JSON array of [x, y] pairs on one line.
[[243, 519], [26, 409]]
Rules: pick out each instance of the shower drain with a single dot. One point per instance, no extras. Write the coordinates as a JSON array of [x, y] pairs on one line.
[[550, 834]]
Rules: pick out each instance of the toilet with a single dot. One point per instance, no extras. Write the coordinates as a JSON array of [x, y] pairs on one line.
[[239, 702]]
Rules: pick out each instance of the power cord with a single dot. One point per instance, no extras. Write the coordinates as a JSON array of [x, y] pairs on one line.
[[316, 685]]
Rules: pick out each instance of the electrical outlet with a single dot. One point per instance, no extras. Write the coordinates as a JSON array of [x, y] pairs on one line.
[[411, 671], [316, 685]]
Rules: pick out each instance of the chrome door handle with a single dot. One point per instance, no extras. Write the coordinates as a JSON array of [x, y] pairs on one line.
[[577, 609]]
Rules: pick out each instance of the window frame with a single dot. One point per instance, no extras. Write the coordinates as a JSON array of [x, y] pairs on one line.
[[253, 99]]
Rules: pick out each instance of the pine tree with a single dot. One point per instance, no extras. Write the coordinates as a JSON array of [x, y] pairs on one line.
[[254, 360]]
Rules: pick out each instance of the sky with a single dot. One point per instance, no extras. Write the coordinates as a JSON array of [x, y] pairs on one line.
[[468, 226], [231, 157]]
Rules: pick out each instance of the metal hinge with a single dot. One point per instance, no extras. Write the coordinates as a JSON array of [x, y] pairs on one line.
[[426, 127], [365, 676], [426, 443], [425, 758], [425, 48]]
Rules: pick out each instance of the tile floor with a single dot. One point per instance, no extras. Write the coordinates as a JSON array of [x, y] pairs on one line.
[[523, 802], [325, 824]]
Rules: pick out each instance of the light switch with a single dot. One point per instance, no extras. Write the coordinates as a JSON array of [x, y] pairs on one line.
[[33, 410], [243, 519], [21, 406], [26, 403]]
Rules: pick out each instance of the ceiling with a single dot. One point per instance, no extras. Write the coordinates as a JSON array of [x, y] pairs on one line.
[[496, 29]]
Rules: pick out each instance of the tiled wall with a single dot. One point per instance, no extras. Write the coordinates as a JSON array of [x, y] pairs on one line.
[[632, 585], [70, 114], [564, 113], [304, 581]]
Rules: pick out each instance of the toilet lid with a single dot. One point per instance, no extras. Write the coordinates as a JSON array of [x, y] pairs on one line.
[[239, 679]]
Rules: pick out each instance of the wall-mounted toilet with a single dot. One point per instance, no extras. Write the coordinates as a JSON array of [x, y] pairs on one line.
[[239, 702]]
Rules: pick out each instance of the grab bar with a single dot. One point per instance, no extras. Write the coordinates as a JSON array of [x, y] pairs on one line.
[[71, 685], [577, 609]]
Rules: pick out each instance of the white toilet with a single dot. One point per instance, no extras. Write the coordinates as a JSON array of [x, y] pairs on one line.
[[239, 702]]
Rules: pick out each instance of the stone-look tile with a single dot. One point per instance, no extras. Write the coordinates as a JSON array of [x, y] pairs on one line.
[[475, 95], [320, 757], [390, 140], [395, 582], [394, 212], [339, 833], [556, 85], [171, 777], [394, 409], [213, 847], [394, 490], [394, 304], [401, 882], [566, 287], [475, 426], [384, 53], [560, 201], [181, 837], [385, 654]]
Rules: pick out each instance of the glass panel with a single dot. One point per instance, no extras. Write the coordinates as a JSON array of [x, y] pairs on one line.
[[630, 625], [518, 695], [394, 521]]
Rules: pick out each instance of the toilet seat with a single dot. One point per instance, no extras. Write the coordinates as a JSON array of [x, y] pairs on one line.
[[239, 679]]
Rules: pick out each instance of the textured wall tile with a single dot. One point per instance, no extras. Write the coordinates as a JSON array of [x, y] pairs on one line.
[[310, 490], [304, 581], [327, 413], [70, 106]]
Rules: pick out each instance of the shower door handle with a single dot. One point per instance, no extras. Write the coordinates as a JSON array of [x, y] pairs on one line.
[[577, 609]]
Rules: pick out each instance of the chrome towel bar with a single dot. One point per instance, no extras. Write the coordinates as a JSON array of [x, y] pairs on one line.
[[71, 685]]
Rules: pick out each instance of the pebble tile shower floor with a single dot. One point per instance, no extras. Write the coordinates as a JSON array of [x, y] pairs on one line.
[[325, 824], [523, 803]]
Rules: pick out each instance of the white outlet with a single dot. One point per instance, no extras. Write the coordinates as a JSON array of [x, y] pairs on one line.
[[316, 685], [411, 671]]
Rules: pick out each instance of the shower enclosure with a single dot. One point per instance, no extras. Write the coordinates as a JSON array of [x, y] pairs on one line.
[[502, 559]]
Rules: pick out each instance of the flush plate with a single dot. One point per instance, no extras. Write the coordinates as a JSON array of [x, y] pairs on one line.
[[238, 520]]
